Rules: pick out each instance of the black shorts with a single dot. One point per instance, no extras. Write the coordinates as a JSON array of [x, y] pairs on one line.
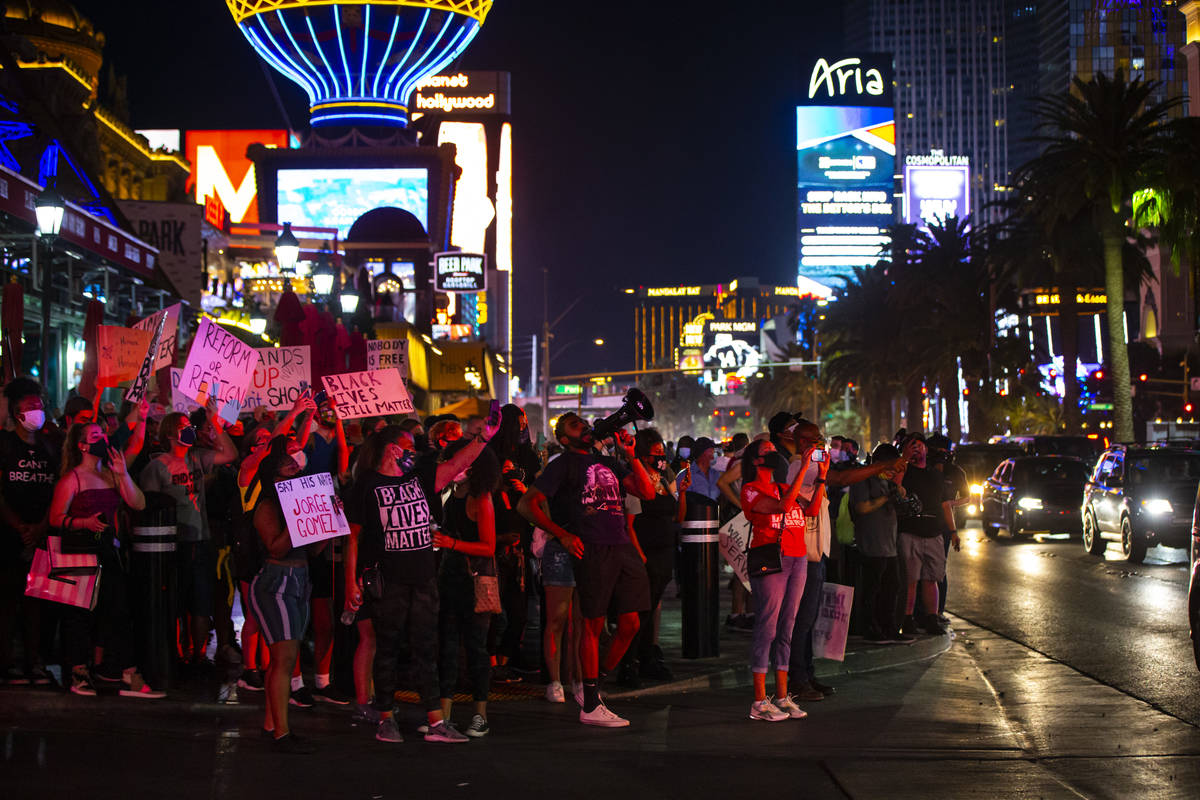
[[611, 577]]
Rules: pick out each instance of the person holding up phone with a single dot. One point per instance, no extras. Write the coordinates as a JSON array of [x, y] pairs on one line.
[[95, 484]]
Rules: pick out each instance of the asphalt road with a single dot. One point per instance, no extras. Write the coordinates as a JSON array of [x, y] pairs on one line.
[[1123, 624]]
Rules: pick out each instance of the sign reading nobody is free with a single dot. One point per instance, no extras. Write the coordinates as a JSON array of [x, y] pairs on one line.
[[385, 353], [312, 509]]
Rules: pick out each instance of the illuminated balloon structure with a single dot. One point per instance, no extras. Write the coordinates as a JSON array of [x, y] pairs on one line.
[[359, 61]]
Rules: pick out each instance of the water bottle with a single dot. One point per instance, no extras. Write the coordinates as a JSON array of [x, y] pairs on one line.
[[348, 615]]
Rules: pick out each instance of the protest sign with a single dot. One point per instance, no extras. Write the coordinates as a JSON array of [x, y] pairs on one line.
[[312, 509], [168, 342], [137, 392], [221, 366], [368, 394], [733, 539], [833, 622], [281, 375], [384, 353], [121, 352]]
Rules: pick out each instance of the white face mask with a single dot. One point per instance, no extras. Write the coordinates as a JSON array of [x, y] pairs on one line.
[[684, 452], [301, 459], [33, 420]]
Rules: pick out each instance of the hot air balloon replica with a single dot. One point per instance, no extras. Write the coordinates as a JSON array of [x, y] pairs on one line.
[[359, 62]]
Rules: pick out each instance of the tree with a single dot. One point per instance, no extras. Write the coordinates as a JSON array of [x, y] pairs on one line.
[[1103, 144]]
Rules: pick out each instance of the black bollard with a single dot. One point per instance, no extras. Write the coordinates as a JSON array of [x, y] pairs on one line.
[[699, 578], [154, 588]]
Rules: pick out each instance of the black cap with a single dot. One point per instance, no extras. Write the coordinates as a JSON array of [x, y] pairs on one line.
[[702, 444], [779, 422], [884, 452]]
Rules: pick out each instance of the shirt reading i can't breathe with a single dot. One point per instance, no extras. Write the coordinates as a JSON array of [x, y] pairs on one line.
[[394, 514], [29, 473], [585, 497]]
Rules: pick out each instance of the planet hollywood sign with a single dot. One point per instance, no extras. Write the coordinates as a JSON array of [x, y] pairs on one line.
[[460, 272]]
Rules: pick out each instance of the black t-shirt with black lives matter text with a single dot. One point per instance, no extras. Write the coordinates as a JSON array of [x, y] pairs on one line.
[[395, 518], [28, 476]]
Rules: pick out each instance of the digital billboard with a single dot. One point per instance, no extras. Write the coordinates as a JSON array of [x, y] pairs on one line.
[[336, 197], [846, 160], [936, 186], [221, 169]]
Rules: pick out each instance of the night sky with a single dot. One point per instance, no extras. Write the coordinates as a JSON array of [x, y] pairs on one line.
[[653, 147]]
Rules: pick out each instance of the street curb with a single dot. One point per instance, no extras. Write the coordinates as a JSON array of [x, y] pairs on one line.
[[856, 663]]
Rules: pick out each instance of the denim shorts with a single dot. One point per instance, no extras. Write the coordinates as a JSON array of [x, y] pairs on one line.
[[557, 569], [279, 600]]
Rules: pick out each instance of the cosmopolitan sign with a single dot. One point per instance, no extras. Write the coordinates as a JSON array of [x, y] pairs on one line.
[[936, 187], [460, 272]]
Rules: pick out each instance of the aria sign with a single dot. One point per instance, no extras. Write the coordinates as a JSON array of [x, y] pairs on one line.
[[460, 272], [852, 80]]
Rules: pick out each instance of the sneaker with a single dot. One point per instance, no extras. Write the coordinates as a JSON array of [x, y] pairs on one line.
[[365, 713], [554, 693], [943, 619], [504, 674], [478, 727], [330, 695], [288, 743], [136, 686], [807, 693], [252, 680], [931, 626], [388, 730], [15, 677], [40, 676], [577, 693], [302, 698], [444, 732], [789, 707], [601, 717], [823, 688], [767, 711], [81, 684]]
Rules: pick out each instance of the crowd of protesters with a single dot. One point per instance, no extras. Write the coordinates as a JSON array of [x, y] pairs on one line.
[[458, 528]]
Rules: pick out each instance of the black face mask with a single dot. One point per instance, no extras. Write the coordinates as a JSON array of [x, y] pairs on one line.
[[187, 436], [99, 449]]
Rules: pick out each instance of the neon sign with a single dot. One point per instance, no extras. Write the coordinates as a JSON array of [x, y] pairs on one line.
[[219, 159], [843, 72]]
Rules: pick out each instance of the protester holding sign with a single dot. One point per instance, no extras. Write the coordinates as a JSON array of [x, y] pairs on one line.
[[179, 473], [395, 571]]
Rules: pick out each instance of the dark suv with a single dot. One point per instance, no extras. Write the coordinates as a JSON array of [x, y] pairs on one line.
[[1140, 497]]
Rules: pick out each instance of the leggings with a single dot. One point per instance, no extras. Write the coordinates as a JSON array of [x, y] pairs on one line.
[[457, 621]]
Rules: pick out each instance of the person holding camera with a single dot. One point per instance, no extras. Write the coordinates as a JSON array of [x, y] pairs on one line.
[[582, 491], [95, 484]]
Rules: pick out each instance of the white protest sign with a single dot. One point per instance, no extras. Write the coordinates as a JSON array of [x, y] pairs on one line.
[[312, 509], [384, 353], [368, 394], [137, 392], [221, 366], [168, 342], [281, 375], [179, 401], [733, 538], [833, 622]]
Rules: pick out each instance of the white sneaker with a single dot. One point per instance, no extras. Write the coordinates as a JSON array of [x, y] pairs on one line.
[[554, 693], [577, 693], [788, 706], [767, 711], [602, 717]]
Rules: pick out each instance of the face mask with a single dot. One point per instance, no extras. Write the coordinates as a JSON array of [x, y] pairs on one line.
[[187, 436], [98, 448], [406, 460], [33, 420], [684, 452], [523, 436], [301, 459]]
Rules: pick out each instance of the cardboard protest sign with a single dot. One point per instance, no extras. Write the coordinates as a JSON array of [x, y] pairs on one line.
[[221, 366], [734, 538], [168, 342], [312, 509], [180, 401], [384, 353], [281, 375], [833, 622], [121, 352], [369, 394], [137, 392]]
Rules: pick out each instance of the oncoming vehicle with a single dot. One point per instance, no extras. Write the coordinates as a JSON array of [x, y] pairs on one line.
[[1081, 447], [1032, 494], [979, 461], [1140, 497]]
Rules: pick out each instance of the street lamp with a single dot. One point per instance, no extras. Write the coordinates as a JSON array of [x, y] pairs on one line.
[[50, 207], [349, 298], [287, 251], [323, 275]]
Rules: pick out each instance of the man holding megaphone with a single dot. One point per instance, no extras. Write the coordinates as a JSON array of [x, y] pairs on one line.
[[579, 500]]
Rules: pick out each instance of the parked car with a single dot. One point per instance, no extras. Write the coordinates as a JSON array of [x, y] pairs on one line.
[[1031, 494], [1194, 583], [1140, 497], [979, 461], [1084, 448]]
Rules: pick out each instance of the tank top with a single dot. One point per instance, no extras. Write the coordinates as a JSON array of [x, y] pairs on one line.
[[456, 523], [655, 526], [88, 502]]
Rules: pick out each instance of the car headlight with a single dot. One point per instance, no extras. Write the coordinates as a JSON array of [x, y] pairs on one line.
[[1157, 505], [976, 488], [1030, 503], [972, 510]]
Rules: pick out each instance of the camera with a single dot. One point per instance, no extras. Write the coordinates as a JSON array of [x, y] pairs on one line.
[[515, 474]]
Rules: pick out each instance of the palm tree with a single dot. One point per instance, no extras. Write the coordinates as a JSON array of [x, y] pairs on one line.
[[1103, 144]]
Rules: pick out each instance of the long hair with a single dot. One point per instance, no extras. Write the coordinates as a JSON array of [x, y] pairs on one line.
[[644, 439], [507, 440], [268, 469], [752, 452], [371, 453], [71, 457], [483, 475]]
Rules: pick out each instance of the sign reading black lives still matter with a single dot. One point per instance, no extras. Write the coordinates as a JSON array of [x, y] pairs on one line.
[[460, 272], [312, 509], [372, 393]]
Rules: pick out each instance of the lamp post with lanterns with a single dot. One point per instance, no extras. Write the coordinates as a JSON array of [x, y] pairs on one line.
[[287, 252], [50, 208]]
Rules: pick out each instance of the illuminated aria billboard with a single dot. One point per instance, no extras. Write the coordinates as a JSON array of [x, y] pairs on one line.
[[846, 157], [936, 186]]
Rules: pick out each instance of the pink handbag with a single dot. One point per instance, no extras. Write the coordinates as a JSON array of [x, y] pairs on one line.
[[72, 579]]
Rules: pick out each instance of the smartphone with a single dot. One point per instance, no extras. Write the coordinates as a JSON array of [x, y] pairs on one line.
[[494, 413], [819, 455], [321, 397]]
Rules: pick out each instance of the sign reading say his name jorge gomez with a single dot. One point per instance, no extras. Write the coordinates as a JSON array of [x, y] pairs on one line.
[[312, 509]]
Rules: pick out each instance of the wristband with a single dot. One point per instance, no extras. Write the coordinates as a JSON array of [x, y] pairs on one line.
[[819, 480]]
